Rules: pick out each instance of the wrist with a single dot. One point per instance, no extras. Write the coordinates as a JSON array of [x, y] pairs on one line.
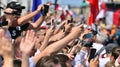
[[25, 55], [6, 57], [37, 10]]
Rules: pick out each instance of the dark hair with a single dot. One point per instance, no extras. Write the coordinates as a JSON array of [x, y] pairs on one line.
[[17, 6], [47, 61], [115, 52], [63, 59], [17, 63]]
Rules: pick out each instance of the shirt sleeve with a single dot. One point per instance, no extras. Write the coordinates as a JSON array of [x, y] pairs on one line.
[[31, 62]]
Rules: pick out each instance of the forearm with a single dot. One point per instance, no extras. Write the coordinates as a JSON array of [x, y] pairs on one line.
[[8, 62], [45, 43], [38, 22], [52, 48], [59, 44], [57, 36], [27, 17], [25, 60], [59, 27]]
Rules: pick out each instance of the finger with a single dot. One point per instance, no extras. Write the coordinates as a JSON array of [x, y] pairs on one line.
[[81, 25], [35, 40], [96, 58], [91, 60], [31, 35], [22, 40], [2, 32], [27, 34]]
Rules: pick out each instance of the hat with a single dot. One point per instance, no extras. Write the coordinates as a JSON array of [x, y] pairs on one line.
[[15, 5], [110, 46]]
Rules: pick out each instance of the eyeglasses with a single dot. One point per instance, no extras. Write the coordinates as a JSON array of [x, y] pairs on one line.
[[14, 13], [8, 13]]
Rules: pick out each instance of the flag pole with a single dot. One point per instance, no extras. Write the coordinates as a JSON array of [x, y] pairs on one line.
[[55, 5]]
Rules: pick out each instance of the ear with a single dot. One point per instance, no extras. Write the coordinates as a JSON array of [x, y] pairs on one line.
[[112, 58]]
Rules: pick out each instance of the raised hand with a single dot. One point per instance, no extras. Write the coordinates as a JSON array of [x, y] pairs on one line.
[[46, 39], [28, 42], [94, 62], [6, 48], [75, 32], [41, 6], [8, 10]]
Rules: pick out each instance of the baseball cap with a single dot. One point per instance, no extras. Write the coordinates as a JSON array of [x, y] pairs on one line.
[[110, 46], [15, 5]]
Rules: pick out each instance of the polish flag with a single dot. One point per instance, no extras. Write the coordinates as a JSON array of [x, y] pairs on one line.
[[58, 7], [111, 17], [69, 12], [93, 12]]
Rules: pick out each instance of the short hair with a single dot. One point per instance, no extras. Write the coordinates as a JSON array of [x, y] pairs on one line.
[[109, 64], [115, 52], [63, 59], [47, 61], [17, 63]]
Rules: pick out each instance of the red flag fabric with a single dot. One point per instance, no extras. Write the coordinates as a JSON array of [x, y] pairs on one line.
[[57, 7], [116, 17], [94, 11]]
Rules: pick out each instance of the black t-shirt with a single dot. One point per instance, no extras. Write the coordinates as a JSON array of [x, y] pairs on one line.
[[16, 31]]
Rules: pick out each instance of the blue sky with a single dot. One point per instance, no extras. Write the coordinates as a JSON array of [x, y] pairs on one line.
[[66, 2]]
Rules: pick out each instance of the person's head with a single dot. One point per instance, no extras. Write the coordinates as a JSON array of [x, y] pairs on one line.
[[118, 59], [115, 53], [63, 59], [109, 64], [48, 61], [41, 33], [87, 42], [13, 11], [16, 7], [101, 38], [109, 47], [17, 63]]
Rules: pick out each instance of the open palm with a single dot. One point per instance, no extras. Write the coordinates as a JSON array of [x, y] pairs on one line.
[[28, 42]]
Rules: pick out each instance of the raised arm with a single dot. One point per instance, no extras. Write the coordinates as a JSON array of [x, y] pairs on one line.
[[37, 23], [59, 27], [46, 39], [29, 16], [26, 46], [59, 44], [6, 49]]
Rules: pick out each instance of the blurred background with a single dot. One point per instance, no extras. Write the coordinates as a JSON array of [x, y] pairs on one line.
[[76, 7]]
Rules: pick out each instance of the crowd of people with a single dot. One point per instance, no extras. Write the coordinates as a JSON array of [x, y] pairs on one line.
[[55, 40]]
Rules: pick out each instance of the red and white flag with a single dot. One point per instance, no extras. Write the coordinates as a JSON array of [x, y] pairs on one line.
[[58, 7], [94, 11]]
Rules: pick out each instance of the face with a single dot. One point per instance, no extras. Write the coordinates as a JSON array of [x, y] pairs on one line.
[[119, 59], [10, 16], [41, 34]]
